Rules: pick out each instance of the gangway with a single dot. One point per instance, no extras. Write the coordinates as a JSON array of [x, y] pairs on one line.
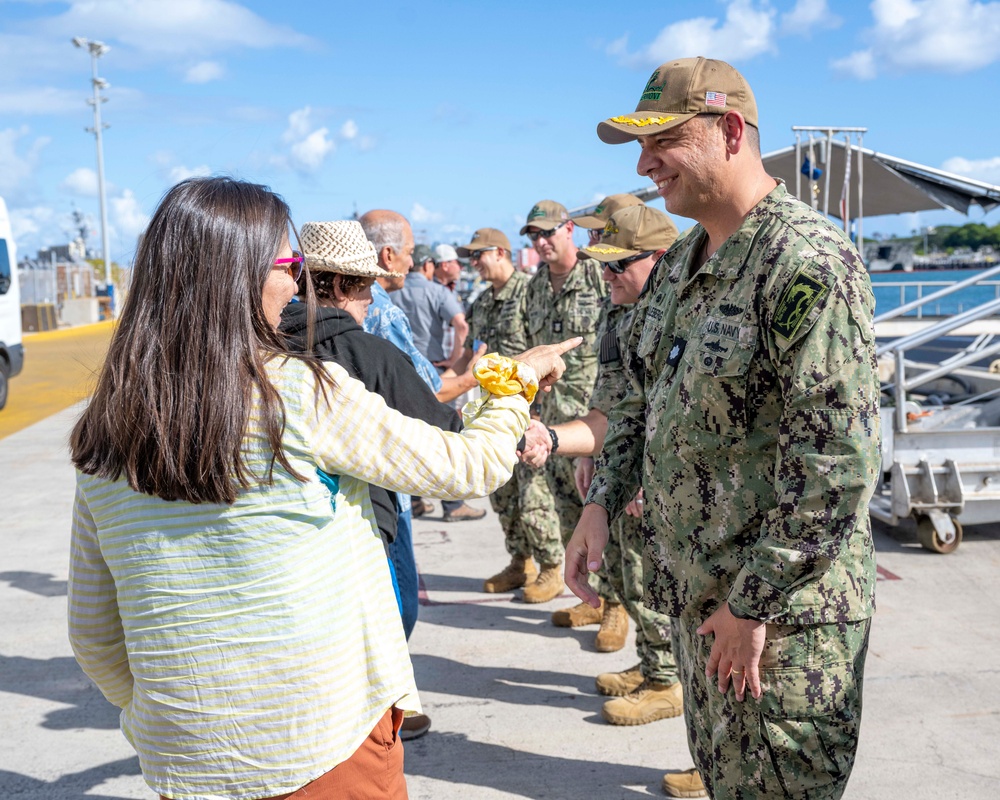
[[941, 456]]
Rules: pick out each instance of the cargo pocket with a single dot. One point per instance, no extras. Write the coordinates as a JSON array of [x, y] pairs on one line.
[[809, 724]]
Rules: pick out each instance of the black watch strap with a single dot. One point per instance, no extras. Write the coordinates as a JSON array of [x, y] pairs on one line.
[[555, 439]]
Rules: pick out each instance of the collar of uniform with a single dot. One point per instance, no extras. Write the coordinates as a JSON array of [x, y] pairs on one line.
[[575, 276], [719, 265]]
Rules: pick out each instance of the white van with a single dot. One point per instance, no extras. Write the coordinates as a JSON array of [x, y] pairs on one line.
[[11, 350]]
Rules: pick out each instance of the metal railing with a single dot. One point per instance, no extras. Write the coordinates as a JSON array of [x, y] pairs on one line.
[[949, 288], [982, 347]]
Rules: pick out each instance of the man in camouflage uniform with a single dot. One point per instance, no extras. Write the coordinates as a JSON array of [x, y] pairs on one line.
[[498, 320], [633, 239], [565, 298], [755, 427], [595, 221]]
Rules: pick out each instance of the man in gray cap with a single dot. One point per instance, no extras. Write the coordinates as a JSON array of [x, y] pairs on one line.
[[447, 267], [754, 428]]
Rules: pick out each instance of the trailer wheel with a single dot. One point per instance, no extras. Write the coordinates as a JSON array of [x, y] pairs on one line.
[[3, 382], [931, 540]]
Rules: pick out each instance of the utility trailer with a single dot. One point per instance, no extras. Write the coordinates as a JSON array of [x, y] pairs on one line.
[[941, 460]]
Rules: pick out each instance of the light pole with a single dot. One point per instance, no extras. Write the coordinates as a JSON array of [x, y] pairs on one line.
[[98, 49]]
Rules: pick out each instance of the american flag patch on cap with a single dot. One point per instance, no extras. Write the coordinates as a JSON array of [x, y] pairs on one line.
[[715, 99]]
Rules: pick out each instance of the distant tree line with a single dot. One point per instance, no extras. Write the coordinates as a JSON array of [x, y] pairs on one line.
[[948, 238]]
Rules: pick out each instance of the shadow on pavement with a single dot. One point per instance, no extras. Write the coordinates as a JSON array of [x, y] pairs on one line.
[[73, 786], [455, 758], [62, 681], [524, 618], [35, 582], [505, 684]]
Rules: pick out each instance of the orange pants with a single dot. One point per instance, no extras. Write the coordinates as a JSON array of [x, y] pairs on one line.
[[374, 772]]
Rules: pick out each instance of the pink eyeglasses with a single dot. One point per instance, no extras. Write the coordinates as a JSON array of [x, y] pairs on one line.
[[293, 266]]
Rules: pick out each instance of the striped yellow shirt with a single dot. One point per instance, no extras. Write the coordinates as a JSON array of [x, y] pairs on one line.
[[253, 647]]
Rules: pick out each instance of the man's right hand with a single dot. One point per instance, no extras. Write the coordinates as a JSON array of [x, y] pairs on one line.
[[547, 361], [585, 552]]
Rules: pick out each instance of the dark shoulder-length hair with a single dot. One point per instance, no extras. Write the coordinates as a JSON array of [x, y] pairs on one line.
[[173, 399]]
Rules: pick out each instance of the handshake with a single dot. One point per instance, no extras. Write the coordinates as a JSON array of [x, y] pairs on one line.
[[538, 442]]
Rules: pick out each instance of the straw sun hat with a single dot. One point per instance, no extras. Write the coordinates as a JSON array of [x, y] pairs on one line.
[[340, 246]]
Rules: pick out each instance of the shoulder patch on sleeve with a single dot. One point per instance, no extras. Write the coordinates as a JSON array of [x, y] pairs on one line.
[[800, 296]]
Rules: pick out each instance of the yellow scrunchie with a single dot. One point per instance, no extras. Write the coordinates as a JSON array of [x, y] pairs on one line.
[[504, 376]]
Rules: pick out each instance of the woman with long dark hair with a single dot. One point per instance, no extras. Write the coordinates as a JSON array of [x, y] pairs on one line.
[[249, 632]]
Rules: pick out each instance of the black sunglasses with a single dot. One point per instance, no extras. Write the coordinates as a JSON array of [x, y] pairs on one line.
[[618, 267], [536, 235]]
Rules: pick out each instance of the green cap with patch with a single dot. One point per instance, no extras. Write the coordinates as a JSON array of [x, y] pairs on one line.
[[602, 212], [677, 91], [545, 215], [630, 231]]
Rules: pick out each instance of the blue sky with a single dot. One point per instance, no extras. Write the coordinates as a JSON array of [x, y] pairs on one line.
[[459, 115]]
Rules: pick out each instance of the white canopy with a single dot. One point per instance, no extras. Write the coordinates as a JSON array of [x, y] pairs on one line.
[[890, 185]]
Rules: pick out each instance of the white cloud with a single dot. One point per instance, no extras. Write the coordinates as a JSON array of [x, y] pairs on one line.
[[82, 182], [180, 172], [806, 16], [952, 36], [309, 154], [42, 100], [747, 31], [27, 224], [309, 145], [17, 168], [204, 72], [128, 217], [176, 28], [986, 169], [366, 143], [859, 64], [419, 214], [349, 130]]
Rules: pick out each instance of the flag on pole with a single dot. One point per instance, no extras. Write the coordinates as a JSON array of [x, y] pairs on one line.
[[845, 193]]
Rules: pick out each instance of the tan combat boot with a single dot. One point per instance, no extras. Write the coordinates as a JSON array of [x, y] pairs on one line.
[[516, 574], [547, 585], [684, 784], [619, 684], [648, 703], [578, 615], [614, 629]]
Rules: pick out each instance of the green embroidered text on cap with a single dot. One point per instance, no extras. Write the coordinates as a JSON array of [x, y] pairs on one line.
[[652, 92]]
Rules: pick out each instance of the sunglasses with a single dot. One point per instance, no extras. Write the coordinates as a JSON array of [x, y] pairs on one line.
[[536, 235], [293, 266], [618, 267], [475, 255]]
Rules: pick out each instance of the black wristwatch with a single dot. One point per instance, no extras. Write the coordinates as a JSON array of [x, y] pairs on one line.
[[555, 439]]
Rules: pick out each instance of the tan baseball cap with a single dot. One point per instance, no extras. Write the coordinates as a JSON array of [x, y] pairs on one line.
[[483, 238], [676, 92], [545, 215], [630, 231], [603, 211]]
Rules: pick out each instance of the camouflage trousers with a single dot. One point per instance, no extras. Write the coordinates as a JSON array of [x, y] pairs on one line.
[[528, 516], [621, 579], [800, 738]]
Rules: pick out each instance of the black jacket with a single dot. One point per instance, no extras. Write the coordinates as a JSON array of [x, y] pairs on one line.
[[383, 368]]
